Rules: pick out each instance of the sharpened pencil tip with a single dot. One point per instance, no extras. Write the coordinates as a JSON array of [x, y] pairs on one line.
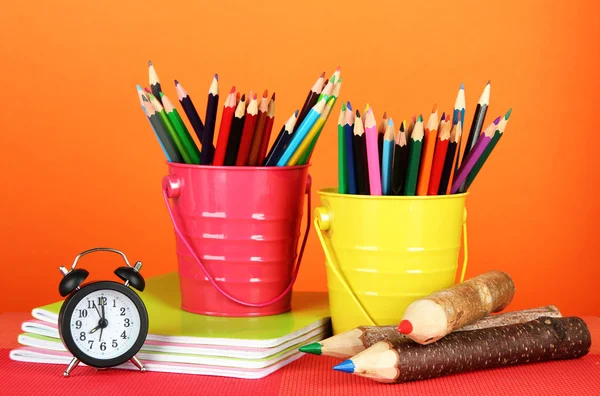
[[349, 105], [357, 113], [232, 90], [216, 77], [273, 96], [345, 367], [508, 113], [255, 97], [420, 119], [462, 86], [489, 82], [266, 93], [149, 63], [296, 113], [243, 98], [385, 115], [147, 90], [444, 116], [405, 327], [403, 126], [176, 82], [314, 348], [414, 118], [497, 120], [338, 68], [390, 122], [138, 87], [434, 108], [343, 107], [322, 75]]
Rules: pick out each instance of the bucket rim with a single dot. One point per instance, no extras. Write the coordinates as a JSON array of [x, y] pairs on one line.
[[235, 168], [332, 192]]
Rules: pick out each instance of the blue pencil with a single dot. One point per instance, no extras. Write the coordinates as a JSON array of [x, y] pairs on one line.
[[301, 132], [386, 161], [141, 94], [349, 133]]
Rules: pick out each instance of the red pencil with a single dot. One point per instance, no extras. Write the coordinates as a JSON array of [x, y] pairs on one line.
[[264, 142], [247, 132], [259, 129], [224, 128], [439, 155]]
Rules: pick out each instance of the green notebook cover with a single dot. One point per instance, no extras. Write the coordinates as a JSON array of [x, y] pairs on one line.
[[169, 323]]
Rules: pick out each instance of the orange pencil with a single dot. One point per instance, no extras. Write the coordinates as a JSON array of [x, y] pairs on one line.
[[264, 142], [224, 128], [259, 129], [428, 149]]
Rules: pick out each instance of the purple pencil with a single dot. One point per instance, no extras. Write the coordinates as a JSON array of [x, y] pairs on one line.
[[372, 153], [473, 155]]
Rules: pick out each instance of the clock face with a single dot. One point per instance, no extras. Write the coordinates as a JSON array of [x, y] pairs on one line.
[[105, 324]]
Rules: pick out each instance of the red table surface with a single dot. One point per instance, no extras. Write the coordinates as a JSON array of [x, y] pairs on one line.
[[310, 375]]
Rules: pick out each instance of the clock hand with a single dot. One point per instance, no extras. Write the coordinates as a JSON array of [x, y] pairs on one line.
[[101, 328], [95, 329]]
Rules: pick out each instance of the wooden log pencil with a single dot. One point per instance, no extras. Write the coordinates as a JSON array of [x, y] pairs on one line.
[[414, 158], [191, 154], [259, 130], [540, 340], [190, 111], [373, 160], [430, 318], [225, 127], [342, 171], [481, 161], [387, 158], [439, 156], [247, 132], [208, 149], [349, 137], [381, 129], [429, 141], [266, 136], [449, 161], [352, 342], [311, 99], [282, 140], [361, 166], [154, 82], [235, 134], [471, 158], [400, 163]]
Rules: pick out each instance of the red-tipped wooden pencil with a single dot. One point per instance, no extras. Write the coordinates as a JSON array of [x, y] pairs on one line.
[[259, 129], [439, 155], [224, 128], [247, 132], [264, 142]]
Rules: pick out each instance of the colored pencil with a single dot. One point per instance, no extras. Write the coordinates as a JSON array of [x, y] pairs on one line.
[[400, 163], [259, 130], [266, 136], [154, 82], [459, 116], [281, 141], [450, 160], [301, 133], [238, 97], [235, 134], [311, 99], [381, 129], [190, 111], [143, 100], [474, 155], [342, 171], [387, 158], [360, 156], [337, 73], [247, 132], [372, 153], [328, 88], [312, 134], [478, 120], [208, 149], [348, 140], [163, 135], [414, 157], [411, 126], [439, 156], [481, 161], [162, 116], [453, 168], [305, 158], [429, 141], [190, 151], [225, 127]]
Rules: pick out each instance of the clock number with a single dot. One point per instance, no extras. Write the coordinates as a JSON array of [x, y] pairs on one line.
[[127, 322], [78, 324], [82, 336], [82, 313], [102, 300], [91, 342], [123, 335], [114, 303], [103, 346], [122, 311], [91, 304], [114, 343]]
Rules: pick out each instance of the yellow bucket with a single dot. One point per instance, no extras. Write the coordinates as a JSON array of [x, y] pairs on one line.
[[384, 252]]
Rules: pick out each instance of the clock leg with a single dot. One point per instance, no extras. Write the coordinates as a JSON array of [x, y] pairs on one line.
[[138, 363], [71, 366]]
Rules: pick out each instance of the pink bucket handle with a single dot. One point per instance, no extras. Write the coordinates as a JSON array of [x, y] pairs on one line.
[[171, 187]]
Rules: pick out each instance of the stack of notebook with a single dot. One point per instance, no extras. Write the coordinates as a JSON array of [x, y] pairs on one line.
[[181, 342]]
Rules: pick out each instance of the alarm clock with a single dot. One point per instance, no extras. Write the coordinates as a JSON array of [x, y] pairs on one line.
[[103, 324]]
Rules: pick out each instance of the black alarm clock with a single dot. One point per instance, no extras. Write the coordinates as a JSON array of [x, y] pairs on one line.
[[103, 324]]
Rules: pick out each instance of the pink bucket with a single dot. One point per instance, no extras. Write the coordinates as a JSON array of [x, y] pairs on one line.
[[237, 230]]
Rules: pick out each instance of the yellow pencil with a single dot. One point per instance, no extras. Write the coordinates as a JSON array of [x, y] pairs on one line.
[[313, 132]]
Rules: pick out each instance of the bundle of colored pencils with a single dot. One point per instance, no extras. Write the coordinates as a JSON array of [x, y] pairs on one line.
[[429, 158], [245, 126]]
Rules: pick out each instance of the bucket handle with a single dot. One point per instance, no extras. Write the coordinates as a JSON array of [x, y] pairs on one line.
[[322, 223], [171, 187]]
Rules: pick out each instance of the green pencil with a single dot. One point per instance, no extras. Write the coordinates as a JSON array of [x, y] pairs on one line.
[[414, 157], [162, 115], [342, 172], [191, 154]]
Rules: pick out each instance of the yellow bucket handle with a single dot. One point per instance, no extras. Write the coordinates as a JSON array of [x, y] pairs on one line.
[[322, 223]]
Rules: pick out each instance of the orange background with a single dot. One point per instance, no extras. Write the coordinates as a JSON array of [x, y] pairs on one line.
[[82, 168]]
